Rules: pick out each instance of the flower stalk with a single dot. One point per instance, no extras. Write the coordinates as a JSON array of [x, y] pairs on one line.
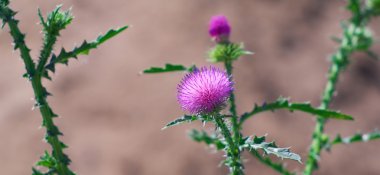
[[233, 160], [232, 108]]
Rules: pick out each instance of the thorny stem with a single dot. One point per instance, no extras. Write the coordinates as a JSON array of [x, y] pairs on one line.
[[228, 66], [339, 61], [318, 141], [234, 118], [236, 125], [19, 41], [49, 42], [34, 76], [232, 150], [52, 131]]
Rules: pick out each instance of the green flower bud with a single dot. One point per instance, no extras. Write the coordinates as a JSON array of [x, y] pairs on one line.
[[227, 51], [56, 20]]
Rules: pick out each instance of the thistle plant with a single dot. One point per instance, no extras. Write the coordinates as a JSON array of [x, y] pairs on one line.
[[356, 38], [54, 161], [208, 95]]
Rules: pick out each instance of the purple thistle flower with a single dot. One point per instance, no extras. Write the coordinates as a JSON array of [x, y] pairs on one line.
[[204, 90], [219, 28]]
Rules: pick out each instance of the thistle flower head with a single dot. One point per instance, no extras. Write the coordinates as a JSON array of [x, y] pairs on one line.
[[204, 90], [219, 28]]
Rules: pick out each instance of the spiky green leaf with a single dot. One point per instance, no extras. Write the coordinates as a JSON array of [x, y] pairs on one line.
[[283, 103], [169, 68], [271, 148], [202, 136], [110, 34], [6, 13], [279, 167], [358, 137], [47, 161], [64, 56], [183, 119]]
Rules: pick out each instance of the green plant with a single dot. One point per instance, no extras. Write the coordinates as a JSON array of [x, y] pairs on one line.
[[198, 86], [356, 38], [56, 161]]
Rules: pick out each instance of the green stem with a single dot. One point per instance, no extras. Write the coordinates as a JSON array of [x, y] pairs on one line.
[[236, 125], [19, 43], [234, 118], [49, 41], [339, 61], [228, 66], [267, 161], [52, 131], [232, 150]]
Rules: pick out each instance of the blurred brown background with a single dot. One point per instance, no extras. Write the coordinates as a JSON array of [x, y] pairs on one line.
[[111, 116]]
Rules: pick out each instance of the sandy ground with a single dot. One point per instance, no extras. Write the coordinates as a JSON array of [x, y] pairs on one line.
[[111, 116]]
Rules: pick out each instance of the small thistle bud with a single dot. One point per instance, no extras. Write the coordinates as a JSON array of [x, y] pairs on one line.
[[56, 20], [227, 52], [219, 28], [204, 90], [374, 5]]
